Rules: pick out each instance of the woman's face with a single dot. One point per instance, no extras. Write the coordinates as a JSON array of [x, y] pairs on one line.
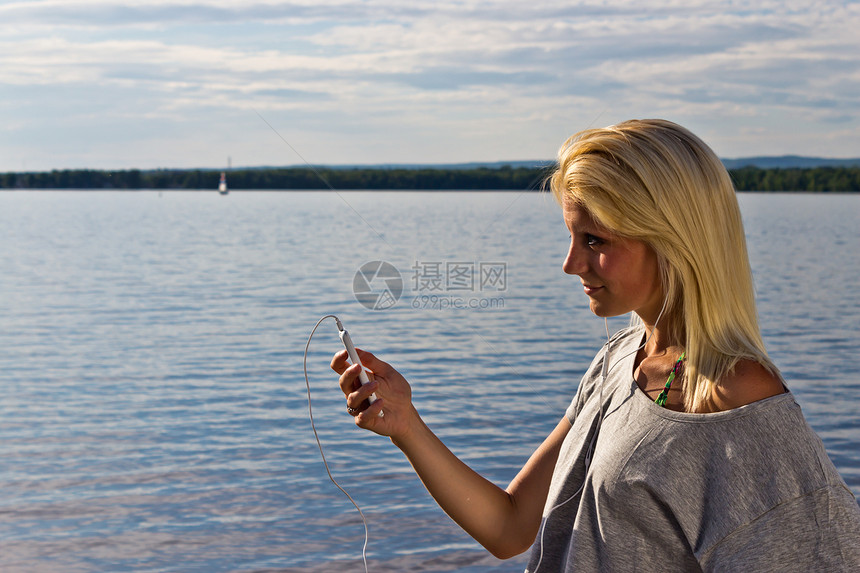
[[618, 275]]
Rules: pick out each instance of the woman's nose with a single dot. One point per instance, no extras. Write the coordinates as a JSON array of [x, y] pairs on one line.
[[575, 263]]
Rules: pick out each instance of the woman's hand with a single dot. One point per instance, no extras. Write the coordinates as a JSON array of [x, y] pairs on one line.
[[504, 521], [393, 395]]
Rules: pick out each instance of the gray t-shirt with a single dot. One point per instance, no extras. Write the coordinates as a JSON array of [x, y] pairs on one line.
[[749, 489]]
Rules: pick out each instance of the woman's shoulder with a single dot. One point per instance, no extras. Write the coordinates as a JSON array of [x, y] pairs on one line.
[[746, 383]]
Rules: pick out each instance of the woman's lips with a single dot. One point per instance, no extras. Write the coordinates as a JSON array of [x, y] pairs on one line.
[[590, 290]]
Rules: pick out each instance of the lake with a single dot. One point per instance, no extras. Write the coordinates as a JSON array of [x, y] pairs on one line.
[[154, 413]]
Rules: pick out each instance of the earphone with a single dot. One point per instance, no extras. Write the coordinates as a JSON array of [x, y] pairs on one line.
[[353, 356], [347, 342], [604, 373]]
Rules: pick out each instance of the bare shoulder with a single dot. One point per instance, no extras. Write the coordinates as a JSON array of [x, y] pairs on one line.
[[749, 382]]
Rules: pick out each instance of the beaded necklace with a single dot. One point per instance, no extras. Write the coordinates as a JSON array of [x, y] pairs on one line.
[[661, 399]]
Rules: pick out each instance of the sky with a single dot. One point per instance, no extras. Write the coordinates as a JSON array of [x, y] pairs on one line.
[[120, 84]]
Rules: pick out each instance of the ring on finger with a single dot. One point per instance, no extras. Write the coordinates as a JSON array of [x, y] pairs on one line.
[[352, 411]]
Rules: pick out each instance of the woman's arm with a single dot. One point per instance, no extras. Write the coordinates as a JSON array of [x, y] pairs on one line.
[[504, 521]]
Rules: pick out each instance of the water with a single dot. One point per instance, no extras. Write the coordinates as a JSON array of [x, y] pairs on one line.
[[154, 415]]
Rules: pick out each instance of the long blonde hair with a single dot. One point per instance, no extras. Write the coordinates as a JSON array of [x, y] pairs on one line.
[[654, 181]]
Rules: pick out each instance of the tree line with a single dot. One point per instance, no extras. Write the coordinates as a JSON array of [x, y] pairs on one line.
[[813, 179], [818, 179]]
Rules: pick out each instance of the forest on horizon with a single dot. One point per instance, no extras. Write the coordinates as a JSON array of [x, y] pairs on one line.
[[815, 179]]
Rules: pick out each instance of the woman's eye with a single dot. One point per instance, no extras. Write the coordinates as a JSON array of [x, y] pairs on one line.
[[591, 240]]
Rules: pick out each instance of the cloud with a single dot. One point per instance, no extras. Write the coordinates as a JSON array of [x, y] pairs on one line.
[[491, 68], [137, 14]]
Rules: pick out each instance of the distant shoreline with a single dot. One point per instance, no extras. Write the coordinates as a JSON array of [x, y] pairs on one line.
[[501, 178]]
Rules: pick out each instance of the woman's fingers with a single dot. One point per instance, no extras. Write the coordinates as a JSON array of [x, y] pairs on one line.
[[369, 417], [382, 376], [373, 363], [340, 361], [349, 381], [349, 372], [357, 401]]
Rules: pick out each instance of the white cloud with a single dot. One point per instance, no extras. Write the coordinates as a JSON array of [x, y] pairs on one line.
[[504, 78]]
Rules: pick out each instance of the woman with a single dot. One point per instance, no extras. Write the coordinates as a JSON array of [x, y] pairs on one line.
[[682, 449]]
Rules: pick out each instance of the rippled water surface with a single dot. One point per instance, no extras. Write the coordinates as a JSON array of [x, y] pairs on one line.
[[154, 413]]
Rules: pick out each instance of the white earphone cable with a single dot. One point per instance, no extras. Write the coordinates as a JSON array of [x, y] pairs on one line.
[[319, 444], [605, 369]]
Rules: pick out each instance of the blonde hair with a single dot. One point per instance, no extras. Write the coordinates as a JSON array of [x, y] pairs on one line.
[[654, 181]]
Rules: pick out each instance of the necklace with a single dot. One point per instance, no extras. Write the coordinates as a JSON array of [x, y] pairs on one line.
[[661, 399]]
